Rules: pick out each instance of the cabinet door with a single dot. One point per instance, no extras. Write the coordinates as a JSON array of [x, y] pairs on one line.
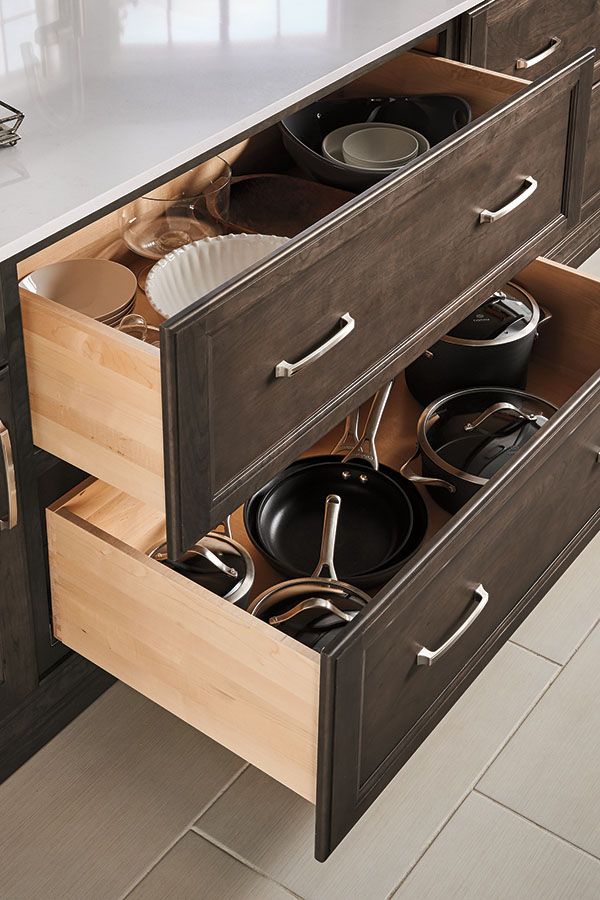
[[17, 662]]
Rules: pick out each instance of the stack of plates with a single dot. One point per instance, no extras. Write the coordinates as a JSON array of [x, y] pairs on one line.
[[99, 288]]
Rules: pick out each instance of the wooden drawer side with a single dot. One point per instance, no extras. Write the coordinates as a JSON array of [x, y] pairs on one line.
[[241, 682], [95, 397]]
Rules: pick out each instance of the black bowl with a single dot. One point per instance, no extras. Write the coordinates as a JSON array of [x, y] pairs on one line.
[[435, 116]]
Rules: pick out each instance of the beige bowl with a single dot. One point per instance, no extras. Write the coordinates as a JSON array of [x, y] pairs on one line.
[[98, 288], [380, 148]]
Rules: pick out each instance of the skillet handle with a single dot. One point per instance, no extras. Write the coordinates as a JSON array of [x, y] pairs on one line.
[[408, 473], [350, 437], [326, 568], [365, 449]]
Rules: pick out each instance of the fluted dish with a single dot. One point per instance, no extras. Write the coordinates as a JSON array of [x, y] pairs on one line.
[[193, 271]]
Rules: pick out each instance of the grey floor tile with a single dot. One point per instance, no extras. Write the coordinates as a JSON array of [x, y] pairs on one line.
[[194, 869], [569, 610], [487, 852], [550, 770], [592, 265], [272, 828], [87, 815]]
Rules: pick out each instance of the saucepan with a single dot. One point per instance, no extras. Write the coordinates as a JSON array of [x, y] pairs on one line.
[[466, 437]]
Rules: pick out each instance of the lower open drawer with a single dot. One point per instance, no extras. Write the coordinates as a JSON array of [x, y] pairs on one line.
[[336, 727]]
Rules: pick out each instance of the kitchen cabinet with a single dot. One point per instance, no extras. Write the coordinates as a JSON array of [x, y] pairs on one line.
[[175, 438]]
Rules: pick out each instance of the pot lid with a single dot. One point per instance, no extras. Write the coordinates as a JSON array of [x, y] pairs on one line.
[[232, 581], [504, 316], [477, 431]]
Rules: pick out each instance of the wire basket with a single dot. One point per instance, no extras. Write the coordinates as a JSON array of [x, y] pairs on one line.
[[10, 122]]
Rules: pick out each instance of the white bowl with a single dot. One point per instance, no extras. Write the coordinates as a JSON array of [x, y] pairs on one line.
[[95, 287], [380, 148], [332, 145], [190, 272]]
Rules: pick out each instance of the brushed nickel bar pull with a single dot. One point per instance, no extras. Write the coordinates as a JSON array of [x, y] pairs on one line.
[[527, 62], [488, 215], [285, 369], [11, 482], [427, 657]]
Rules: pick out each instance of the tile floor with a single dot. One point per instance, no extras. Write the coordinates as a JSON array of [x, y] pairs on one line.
[[502, 801]]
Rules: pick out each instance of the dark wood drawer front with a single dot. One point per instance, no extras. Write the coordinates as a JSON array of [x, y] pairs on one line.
[[591, 184], [503, 35], [383, 704], [395, 261]]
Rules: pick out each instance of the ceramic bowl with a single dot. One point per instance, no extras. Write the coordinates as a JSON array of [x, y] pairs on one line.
[[98, 288], [191, 272], [381, 147], [333, 148]]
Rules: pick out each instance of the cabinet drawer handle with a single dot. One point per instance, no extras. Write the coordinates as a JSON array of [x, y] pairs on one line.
[[488, 215], [524, 62], [11, 482], [427, 657], [286, 370]]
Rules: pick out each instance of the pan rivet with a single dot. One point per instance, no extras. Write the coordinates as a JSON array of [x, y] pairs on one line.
[[346, 475], [363, 478]]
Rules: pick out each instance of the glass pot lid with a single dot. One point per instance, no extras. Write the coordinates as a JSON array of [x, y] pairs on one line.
[[507, 315], [477, 431]]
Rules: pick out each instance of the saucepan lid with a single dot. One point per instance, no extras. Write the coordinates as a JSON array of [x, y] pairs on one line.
[[506, 316], [473, 433]]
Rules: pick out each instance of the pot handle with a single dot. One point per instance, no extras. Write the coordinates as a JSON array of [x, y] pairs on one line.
[[214, 560], [365, 449], [545, 316], [408, 473], [312, 603], [498, 408]]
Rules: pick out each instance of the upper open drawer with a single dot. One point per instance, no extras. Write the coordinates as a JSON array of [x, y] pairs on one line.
[[196, 427]]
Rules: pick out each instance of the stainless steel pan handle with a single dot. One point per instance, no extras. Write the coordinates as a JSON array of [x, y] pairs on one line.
[[427, 657], [527, 62], [530, 186], [325, 567], [12, 518], [286, 369], [350, 437], [312, 603], [500, 408], [408, 473], [365, 448]]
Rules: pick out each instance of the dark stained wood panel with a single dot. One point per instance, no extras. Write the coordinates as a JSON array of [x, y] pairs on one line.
[[591, 183], [378, 705], [499, 32], [406, 260]]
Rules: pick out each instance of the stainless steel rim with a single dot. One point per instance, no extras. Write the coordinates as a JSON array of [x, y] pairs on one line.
[[431, 410], [509, 339], [240, 588]]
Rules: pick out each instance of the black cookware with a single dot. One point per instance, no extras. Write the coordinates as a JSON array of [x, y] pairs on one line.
[[466, 437], [217, 562], [492, 346], [435, 116], [306, 607], [369, 550]]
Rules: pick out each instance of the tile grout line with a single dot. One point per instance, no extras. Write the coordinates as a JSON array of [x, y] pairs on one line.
[[503, 744], [537, 825], [536, 653], [242, 859], [182, 833]]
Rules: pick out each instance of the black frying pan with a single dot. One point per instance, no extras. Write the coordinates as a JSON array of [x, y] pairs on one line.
[[284, 518]]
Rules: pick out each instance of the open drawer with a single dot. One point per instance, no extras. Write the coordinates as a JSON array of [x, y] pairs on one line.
[[192, 430], [336, 727]]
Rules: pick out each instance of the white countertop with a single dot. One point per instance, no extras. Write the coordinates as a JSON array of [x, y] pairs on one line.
[[118, 92]]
